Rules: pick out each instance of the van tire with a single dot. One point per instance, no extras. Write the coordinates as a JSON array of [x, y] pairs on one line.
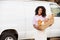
[[10, 31], [8, 36]]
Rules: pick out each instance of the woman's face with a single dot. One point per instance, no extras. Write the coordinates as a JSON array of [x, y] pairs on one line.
[[40, 11]]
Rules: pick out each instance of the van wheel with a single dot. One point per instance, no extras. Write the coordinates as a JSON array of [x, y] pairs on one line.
[[8, 37]]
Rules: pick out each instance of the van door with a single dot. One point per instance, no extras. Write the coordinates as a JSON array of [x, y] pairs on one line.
[[55, 29]]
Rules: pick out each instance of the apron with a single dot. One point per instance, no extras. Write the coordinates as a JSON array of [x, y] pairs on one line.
[[40, 35]]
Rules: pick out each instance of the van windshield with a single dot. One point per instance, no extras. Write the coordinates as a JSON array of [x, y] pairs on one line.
[[56, 10]]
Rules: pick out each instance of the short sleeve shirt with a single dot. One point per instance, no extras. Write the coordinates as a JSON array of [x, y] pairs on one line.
[[36, 18]]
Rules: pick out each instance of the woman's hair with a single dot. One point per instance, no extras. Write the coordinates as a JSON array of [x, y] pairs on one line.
[[43, 11]]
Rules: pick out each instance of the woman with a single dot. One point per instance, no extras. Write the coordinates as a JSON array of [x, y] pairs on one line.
[[38, 22]]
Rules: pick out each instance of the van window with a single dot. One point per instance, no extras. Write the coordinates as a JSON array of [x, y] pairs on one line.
[[55, 10]]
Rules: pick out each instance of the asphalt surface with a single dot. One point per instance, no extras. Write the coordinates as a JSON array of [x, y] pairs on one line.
[[28, 39]]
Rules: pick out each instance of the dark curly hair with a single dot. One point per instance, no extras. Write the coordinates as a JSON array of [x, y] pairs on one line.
[[43, 11]]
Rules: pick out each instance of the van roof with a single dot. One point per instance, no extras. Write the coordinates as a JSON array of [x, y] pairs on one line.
[[29, 1]]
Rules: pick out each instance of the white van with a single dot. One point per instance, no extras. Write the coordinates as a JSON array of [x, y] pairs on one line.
[[16, 19]]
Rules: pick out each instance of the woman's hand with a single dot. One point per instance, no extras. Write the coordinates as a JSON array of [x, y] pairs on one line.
[[46, 20]]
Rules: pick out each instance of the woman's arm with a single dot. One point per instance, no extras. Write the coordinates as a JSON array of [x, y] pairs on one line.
[[36, 27], [40, 28]]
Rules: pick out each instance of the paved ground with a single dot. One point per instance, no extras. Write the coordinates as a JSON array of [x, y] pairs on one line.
[[47, 39], [29, 39]]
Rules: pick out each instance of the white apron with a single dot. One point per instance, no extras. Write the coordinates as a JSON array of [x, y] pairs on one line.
[[40, 35]]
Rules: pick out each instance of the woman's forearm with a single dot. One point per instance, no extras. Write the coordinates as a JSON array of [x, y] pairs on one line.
[[40, 28], [36, 27]]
